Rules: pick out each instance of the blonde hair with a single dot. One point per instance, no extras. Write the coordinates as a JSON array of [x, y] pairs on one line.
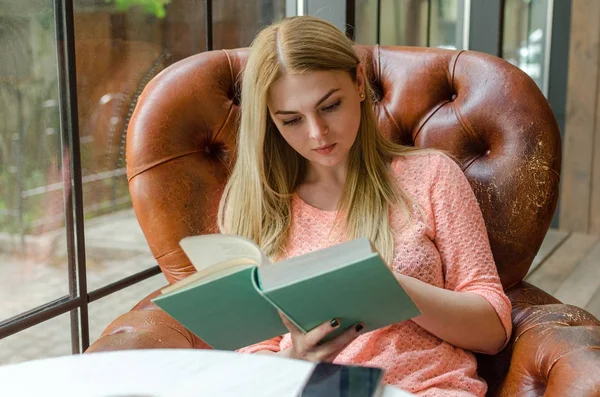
[[256, 202]]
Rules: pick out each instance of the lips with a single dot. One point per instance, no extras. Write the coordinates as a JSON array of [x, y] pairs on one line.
[[325, 147]]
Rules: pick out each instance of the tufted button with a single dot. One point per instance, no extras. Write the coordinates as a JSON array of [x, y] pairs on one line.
[[453, 97], [377, 91], [234, 94], [215, 150], [236, 99]]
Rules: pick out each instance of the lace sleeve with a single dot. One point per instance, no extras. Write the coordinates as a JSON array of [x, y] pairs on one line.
[[461, 238]]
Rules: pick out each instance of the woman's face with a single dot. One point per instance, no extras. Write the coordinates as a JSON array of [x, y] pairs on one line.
[[318, 113]]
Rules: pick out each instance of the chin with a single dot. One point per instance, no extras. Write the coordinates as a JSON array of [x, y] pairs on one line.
[[328, 162]]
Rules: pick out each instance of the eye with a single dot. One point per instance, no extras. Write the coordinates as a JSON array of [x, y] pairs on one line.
[[332, 107], [292, 121]]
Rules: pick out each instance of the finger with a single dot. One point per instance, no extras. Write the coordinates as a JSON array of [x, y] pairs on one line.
[[317, 334], [288, 324], [328, 351]]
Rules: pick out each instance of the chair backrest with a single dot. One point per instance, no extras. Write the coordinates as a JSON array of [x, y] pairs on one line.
[[487, 113]]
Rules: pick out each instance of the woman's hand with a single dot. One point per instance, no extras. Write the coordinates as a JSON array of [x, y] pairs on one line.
[[306, 347]]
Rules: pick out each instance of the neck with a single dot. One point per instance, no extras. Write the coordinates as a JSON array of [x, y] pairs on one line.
[[330, 176]]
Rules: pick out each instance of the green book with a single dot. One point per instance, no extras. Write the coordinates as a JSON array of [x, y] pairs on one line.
[[233, 298]]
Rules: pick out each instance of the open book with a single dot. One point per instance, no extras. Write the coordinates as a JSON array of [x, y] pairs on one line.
[[233, 298]]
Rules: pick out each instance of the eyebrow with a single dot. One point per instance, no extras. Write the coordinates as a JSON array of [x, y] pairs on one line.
[[323, 99]]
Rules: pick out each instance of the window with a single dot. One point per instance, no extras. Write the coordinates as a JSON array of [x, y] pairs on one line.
[[65, 106]]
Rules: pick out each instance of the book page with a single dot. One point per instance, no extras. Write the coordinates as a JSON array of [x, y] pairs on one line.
[[211, 273], [209, 250]]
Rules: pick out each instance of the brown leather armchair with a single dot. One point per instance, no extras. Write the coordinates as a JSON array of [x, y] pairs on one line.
[[487, 113]]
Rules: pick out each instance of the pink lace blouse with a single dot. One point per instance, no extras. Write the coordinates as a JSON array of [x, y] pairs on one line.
[[446, 245]]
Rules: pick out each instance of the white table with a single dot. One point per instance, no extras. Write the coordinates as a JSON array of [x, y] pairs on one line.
[[159, 373]]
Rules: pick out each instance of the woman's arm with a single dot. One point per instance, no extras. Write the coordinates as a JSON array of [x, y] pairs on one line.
[[463, 319], [470, 310]]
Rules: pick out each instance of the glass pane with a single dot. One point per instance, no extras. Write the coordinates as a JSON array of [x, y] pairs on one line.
[[525, 37], [120, 46], [105, 310], [333, 11], [51, 338], [404, 22], [446, 24], [236, 22], [32, 237], [115, 248], [365, 31]]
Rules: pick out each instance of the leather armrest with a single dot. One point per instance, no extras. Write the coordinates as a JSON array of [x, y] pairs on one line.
[[146, 326], [554, 349]]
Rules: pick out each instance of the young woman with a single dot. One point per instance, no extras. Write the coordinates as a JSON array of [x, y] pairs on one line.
[[313, 170]]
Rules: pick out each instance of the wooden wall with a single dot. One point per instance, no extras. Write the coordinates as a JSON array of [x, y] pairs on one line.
[[580, 191]]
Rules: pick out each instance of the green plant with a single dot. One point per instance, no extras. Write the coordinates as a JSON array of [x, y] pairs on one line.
[[154, 7]]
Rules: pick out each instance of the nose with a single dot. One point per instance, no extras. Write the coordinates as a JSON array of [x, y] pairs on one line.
[[317, 128]]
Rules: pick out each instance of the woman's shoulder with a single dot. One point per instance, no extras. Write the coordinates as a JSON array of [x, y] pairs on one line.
[[423, 164]]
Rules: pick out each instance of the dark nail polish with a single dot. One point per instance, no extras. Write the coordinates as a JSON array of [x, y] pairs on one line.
[[334, 323], [358, 327]]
